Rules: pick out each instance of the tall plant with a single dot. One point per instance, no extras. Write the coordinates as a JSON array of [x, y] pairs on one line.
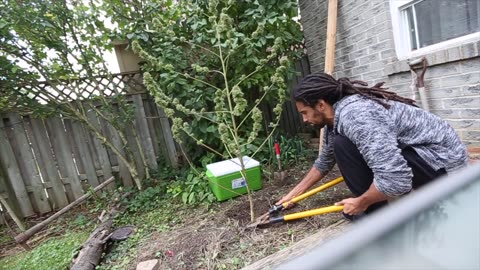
[[57, 43], [216, 63]]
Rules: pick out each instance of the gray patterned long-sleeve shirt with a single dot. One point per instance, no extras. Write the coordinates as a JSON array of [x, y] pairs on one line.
[[377, 132]]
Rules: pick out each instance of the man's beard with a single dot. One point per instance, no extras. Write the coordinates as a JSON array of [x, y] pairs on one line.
[[319, 126]]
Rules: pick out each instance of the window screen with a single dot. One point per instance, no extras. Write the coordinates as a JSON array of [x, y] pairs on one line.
[[434, 21]]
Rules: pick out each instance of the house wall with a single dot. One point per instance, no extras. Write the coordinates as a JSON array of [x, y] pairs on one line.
[[365, 50]]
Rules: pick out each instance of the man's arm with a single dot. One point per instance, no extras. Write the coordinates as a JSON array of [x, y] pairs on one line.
[[312, 177], [322, 165], [355, 206]]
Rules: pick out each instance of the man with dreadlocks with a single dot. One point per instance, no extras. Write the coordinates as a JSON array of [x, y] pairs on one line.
[[383, 144]]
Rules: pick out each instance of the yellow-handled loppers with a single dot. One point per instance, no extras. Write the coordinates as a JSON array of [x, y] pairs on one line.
[[269, 218]]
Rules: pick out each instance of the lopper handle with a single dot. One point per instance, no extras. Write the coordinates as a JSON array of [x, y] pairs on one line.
[[314, 212], [276, 208], [308, 213], [315, 191]]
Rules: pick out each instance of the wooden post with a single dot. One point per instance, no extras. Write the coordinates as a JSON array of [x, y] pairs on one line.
[[12, 214], [331, 36], [330, 47]]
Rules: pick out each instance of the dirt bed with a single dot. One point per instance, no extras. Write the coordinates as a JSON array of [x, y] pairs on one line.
[[219, 239]]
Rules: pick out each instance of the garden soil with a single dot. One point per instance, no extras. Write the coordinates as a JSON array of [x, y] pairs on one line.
[[219, 239]]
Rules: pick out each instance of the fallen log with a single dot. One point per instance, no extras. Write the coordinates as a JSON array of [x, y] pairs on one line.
[[91, 251], [24, 236]]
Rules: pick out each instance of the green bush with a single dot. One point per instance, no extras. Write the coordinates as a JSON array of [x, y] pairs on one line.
[[192, 189]]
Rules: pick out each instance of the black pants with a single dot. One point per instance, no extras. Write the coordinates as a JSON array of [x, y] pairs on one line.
[[358, 176]]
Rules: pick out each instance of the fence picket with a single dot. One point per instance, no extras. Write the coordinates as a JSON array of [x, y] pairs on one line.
[[100, 148], [143, 132], [107, 133], [46, 161], [132, 144], [19, 191], [123, 171], [167, 132], [74, 146], [81, 141], [154, 129], [63, 155], [111, 157]]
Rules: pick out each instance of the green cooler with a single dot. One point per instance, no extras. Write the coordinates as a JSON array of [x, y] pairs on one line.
[[226, 181]]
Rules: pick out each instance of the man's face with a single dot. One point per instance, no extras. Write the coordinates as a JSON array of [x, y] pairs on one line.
[[312, 115]]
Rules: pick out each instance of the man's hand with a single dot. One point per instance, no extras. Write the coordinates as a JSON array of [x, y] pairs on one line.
[[312, 177], [285, 199], [353, 206]]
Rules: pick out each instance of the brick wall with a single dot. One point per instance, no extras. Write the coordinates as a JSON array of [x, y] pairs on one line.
[[365, 50]]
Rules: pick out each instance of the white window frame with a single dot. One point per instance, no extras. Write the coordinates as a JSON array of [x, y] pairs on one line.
[[402, 38]]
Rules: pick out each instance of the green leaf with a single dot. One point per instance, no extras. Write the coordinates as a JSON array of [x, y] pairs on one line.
[[191, 198], [212, 129], [185, 197]]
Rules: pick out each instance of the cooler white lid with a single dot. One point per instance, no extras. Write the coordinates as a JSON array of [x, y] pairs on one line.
[[230, 166]]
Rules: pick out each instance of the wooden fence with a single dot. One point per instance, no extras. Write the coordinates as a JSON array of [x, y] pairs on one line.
[[47, 163], [291, 121]]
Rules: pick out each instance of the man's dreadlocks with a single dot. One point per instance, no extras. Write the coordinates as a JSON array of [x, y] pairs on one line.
[[323, 86]]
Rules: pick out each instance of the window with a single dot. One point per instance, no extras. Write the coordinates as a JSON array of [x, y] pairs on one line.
[[423, 26]]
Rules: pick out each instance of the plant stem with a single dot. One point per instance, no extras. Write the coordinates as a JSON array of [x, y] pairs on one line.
[[256, 105], [235, 130]]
